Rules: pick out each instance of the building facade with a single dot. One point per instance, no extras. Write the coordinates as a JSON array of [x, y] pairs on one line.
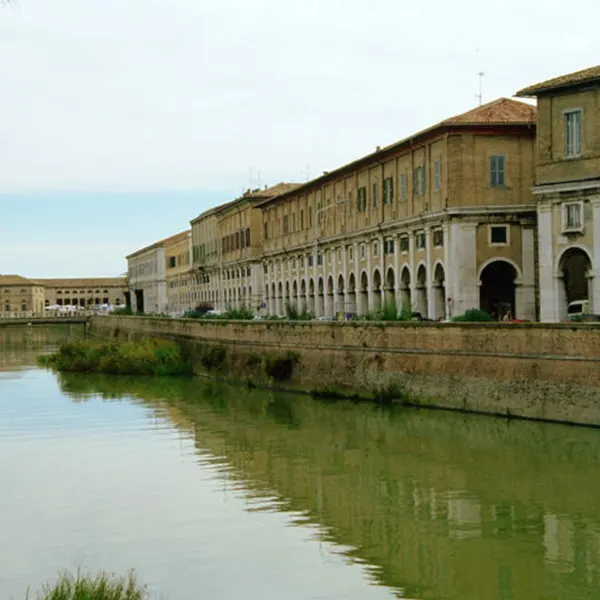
[[227, 251], [567, 190], [438, 223], [85, 292], [146, 272], [178, 273], [20, 296]]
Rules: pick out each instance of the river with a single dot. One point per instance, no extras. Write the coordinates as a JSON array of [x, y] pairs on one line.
[[217, 492]]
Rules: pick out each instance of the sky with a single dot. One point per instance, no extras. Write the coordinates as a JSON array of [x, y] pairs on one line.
[[121, 121]]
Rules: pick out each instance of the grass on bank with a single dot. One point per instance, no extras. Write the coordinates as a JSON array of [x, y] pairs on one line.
[[148, 357], [102, 586]]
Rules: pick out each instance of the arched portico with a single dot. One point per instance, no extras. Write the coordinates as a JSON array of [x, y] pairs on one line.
[[497, 287], [573, 278], [421, 291], [439, 292], [363, 295]]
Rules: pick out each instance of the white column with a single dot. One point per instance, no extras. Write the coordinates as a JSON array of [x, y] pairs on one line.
[[549, 310], [525, 291], [429, 280], [396, 239], [594, 285], [413, 271], [447, 278], [462, 267]]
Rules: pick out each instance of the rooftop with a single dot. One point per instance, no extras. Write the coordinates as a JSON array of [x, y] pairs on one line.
[[501, 112], [15, 280], [162, 243], [83, 282], [563, 81]]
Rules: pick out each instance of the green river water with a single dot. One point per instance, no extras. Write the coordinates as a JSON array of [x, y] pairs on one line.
[[214, 492]]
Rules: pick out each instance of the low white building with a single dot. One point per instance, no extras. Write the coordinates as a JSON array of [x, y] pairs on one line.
[[146, 271]]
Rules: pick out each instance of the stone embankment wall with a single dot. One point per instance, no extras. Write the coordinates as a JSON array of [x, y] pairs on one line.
[[537, 371]]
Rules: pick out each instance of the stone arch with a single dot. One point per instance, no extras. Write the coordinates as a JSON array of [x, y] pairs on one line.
[[320, 308], [363, 294], [421, 290], [341, 308], [497, 286], [351, 294], [404, 289], [303, 300], [376, 291], [439, 291], [311, 296], [390, 287], [330, 307], [574, 273], [295, 299]]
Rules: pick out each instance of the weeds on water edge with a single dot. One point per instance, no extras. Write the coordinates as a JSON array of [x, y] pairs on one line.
[[103, 586], [149, 357]]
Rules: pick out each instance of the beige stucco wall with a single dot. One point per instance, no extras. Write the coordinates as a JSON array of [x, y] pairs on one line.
[[21, 298]]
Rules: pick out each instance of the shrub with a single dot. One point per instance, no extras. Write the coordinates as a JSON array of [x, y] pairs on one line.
[[213, 357], [199, 311], [149, 357], [474, 315], [103, 586], [293, 314], [122, 311]]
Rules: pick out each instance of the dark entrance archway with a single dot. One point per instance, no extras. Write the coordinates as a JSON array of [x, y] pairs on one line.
[[574, 270], [497, 290]]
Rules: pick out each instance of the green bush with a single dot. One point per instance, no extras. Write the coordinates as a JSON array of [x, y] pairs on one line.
[[213, 357], [122, 311], [388, 312], [149, 357], [474, 315], [293, 314], [199, 311], [280, 367], [103, 586]]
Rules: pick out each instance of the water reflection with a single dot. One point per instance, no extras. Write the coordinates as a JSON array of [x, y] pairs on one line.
[[436, 505]]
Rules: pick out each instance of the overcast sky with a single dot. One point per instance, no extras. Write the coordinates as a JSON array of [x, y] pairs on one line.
[[180, 104]]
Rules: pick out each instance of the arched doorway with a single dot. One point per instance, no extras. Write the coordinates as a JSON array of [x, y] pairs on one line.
[[376, 291], [303, 302], [574, 270], [421, 289], [295, 302], [288, 303], [439, 292], [497, 289], [321, 298], [405, 295], [329, 305], [273, 303], [390, 288], [351, 303], [280, 306], [363, 296], [341, 307], [311, 296]]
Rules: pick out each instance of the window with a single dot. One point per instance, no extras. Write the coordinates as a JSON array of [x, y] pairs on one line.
[[421, 240], [319, 259], [351, 253], [375, 248], [286, 224], [171, 262], [301, 261], [350, 203], [437, 175], [404, 243], [310, 216], [339, 254], [248, 236], [361, 199], [248, 272], [265, 269], [374, 195], [363, 251], [293, 264], [403, 186], [419, 181], [329, 253], [497, 171], [573, 216], [498, 235], [301, 219], [388, 190], [310, 260], [573, 133], [266, 230], [293, 222], [438, 238], [388, 246]]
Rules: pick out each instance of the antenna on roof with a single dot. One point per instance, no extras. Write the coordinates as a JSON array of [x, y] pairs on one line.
[[481, 75]]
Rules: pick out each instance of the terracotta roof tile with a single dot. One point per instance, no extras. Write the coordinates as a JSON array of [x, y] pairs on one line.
[[503, 111], [570, 79]]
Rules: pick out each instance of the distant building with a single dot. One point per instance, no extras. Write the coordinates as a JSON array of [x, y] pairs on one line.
[[19, 295], [567, 190], [85, 292], [146, 271], [178, 273]]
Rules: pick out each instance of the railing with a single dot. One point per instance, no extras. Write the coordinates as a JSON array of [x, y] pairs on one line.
[[48, 314]]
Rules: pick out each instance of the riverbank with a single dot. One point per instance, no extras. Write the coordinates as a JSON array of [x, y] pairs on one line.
[[536, 371]]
